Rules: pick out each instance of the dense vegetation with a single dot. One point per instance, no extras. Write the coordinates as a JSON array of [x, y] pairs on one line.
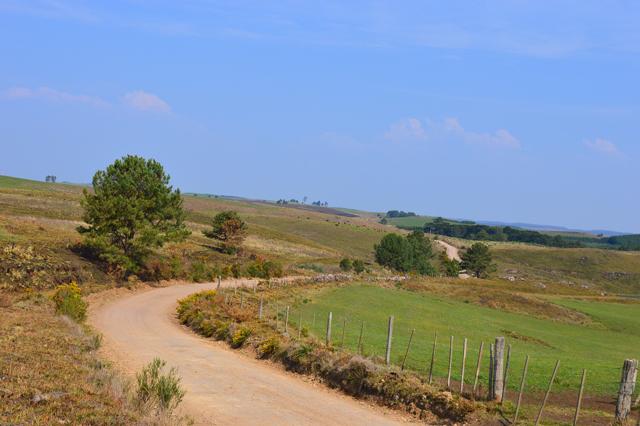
[[494, 233], [406, 254], [474, 231], [399, 213]]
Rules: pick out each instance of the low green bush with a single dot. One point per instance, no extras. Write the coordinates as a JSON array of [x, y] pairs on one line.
[[69, 302], [159, 389], [221, 330], [240, 336], [268, 347]]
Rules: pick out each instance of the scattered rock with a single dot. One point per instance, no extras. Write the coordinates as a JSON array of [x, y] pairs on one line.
[[42, 397]]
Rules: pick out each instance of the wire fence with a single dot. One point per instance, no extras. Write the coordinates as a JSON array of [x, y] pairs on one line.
[[459, 363]]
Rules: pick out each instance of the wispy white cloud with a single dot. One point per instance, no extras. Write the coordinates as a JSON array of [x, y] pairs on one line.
[[53, 95], [501, 138], [144, 101], [602, 146], [412, 129], [406, 130]]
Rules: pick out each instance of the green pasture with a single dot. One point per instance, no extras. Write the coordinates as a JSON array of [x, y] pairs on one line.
[[600, 348]]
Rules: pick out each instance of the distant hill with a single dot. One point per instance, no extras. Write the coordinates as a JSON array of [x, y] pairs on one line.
[[553, 228]]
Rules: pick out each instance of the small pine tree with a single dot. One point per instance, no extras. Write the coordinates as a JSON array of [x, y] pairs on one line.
[[478, 260], [228, 228], [358, 266], [346, 264]]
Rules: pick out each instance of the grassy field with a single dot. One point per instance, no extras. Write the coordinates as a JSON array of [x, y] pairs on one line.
[[45, 215], [600, 347], [606, 270]]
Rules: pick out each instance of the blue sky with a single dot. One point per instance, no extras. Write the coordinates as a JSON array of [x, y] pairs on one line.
[[491, 110]]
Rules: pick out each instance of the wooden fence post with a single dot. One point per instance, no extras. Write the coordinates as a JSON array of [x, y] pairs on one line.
[[389, 336], [475, 380], [506, 374], [344, 327], [241, 300], [328, 335], [579, 402], [490, 388], [464, 361], [286, 320], [433, 357], [522, 381], [627, 386], [360, 338], [300, 324], [218, 286], [404, 360], [498, 370], [546, 395], [260, 308], [450, 362]]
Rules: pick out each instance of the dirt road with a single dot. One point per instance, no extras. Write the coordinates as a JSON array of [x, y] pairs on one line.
[[452, 252], [223, 386]]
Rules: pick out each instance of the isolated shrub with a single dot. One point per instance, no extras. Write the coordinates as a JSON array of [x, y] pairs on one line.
[[69, 302], [240, 336], [228, 228], [268, 347], [157, 388], [358, 266], [346, 264]]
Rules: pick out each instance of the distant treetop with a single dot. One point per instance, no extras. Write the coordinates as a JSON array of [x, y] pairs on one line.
[[399, 213]]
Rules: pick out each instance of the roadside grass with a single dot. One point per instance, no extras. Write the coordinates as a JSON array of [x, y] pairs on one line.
[[50, 374], [599, 347]]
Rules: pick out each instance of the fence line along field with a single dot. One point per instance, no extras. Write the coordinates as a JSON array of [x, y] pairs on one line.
[[600, 347]]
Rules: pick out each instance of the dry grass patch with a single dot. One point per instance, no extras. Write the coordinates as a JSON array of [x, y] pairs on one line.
[[50, 373]]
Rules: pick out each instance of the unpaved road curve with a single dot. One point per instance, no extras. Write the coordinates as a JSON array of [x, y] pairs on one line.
[[223, 386], [452, 251]]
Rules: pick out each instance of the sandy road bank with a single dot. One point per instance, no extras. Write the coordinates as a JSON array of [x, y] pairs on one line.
[[223, 386]]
